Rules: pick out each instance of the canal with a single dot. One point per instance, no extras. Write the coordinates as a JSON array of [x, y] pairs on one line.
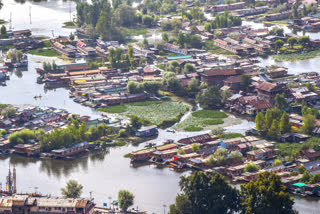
[[103, 173]]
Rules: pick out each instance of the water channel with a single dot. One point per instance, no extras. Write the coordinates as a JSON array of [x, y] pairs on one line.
[[103, 173]]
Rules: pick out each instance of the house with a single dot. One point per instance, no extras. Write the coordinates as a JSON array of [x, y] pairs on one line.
[[260, 154], [147, 131], [196, 139], [294, 137], [268, 91], [278, 16], [310, 154], [83, 48], [236, 49], [62, 49], [251, 11], [18, 204], [75, 149], [216, 76], [141, 155], [233, 83], [175, 49], [27, 149], [278, 72], [303, 94], [223, 7], [251, 105]]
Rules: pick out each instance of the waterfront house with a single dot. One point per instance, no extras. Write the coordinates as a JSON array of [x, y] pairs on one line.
[[141, 155], [236, 49], [278, 16], [24, 33], [19, 204], [196, 139], [303, 94], [147, 131], [83, 48], [223, 7], [251, 11], [76, 149], [27, 149]]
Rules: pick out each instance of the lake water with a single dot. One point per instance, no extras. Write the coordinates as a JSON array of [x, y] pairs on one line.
[[102, 173]]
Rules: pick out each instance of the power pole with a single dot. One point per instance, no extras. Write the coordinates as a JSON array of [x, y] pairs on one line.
[[30, 14], [10, 21]]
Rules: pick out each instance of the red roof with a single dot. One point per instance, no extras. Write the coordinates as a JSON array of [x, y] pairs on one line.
[[233, 79], [224, 72], [266, 86]]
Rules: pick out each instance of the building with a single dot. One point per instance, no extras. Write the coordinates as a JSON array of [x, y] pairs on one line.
[[147, 131], [76, 149], [62, 49], [27, 149], [236, 49], [223, 7], [24, 204], [260, 154], [216, 76], [175, 49], [268, 91], [251, 11], [83, 48], [196, 139], [278, 16], [233, 83]]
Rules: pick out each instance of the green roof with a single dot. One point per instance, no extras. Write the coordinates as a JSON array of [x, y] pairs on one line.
[[179, 57], [299, 184]]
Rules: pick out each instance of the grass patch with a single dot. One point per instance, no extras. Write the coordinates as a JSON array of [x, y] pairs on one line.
[[213, 122], [161, 113], [231, 135], [202, 119], [68, 24], [131, 40], [44, 52], [209, 114], [193, 128], [41, 37], [212, 48], [145, 103], [135, 31], [3, 106], [114, 109], [297, 56], [115, 144], [161, 66], [283, 22]]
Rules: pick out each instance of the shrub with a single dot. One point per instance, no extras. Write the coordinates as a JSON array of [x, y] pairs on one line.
[[193, 128], [209, 114]]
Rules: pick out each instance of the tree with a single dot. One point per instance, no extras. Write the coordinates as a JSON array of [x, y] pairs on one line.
[[165, 37], [261, 123], [209, 193], [195, 41], [208, 27], [3, 30], [277, 162], [147, 20], [145, 43], [304, 41], [1, 4], [189, 68], [193, 87], [306, 176], [276, 31], [209, 98], [278, 44], [152, 87], [266, 195], [221, 155], [292, 41], [235, 156], [284, 123], [245, 81], [280, 101], [182, 205], [195, 147], [181, 151], [71, 36], [301, 169], [251, 167], [274, 132], [125, 199], [309, 122], [72, 190], [124, 16], [180, 39]]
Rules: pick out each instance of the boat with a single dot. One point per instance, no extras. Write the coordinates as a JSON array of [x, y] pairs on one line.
[[171, 130], [168, 141], [149, 145]]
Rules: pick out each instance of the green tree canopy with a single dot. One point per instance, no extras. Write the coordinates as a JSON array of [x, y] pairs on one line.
[[266, 195], [72, 190], [125, 199], [209, 193]]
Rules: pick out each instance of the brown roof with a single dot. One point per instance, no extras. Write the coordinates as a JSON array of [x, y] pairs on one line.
[[266, 86], [219, 72], [233, 79]]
